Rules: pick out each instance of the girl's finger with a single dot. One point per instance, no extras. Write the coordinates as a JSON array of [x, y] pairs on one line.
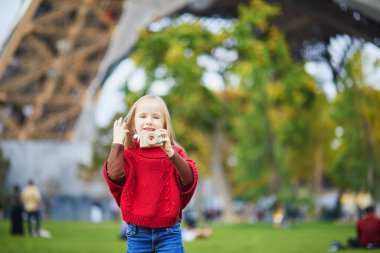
[[166, 139]]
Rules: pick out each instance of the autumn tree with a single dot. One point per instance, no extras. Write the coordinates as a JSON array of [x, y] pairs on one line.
[[278, 134], [260, 113], [355, 112]]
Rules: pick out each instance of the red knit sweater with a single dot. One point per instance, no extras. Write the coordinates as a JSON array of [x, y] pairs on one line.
[[151, 195]]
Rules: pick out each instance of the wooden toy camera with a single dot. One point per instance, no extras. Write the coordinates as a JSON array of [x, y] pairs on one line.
[[150, 139]]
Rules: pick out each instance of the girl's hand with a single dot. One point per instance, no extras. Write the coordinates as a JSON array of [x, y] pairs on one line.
[[119, 131], [167, 147]]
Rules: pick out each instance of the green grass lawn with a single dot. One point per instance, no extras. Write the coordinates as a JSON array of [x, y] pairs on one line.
[[84, 237]]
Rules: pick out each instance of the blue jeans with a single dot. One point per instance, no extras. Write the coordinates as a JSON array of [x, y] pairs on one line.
[[149, 240], [30, 216]]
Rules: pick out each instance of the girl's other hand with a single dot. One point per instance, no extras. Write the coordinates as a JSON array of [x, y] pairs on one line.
[[167, 147]]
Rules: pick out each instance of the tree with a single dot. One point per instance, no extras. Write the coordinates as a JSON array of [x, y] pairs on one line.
[[282, 117], [253, 60], [354, 109]]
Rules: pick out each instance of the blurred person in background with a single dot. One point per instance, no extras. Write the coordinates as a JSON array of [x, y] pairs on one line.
[[96, 213], [17, 227], [367, 230], [191, 231], [31, 198]]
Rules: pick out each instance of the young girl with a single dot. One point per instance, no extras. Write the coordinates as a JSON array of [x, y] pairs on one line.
[[151, 184]]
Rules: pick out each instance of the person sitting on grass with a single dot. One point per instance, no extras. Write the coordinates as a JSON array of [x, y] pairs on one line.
[[191, 232], [368, 230]]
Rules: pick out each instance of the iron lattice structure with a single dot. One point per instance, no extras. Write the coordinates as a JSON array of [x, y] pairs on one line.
[[61, 49], [50, 59]]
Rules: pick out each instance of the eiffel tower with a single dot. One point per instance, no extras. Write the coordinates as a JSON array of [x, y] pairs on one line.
[[59, 54], [50, 62]]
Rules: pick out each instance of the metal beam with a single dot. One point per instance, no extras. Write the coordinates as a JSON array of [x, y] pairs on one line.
[[370, 8], [49, 62], [18, 34]]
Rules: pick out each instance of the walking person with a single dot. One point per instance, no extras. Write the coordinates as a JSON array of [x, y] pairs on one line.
[[31, 198], [17, 227], [150, 177]]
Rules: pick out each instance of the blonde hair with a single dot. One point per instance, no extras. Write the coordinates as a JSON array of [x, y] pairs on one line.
[[130, 119]]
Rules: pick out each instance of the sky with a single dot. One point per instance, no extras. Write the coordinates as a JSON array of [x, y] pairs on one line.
[[10, 12], [111, 99]]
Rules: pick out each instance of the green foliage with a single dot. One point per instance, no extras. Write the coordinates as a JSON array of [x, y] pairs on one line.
[[356, 160], [268, 118], [279, 123]]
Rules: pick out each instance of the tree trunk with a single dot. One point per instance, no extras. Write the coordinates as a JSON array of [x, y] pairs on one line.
[[275, 182], [371, 174], [220, 179], [318, 171]]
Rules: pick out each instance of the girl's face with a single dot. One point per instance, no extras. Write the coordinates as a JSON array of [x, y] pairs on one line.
[[148, 116]]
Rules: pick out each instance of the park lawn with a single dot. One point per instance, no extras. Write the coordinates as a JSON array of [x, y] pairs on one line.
[[84, 237]]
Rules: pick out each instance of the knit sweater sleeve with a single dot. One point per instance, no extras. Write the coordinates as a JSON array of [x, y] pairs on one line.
[[187, 194], [115, 159]]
